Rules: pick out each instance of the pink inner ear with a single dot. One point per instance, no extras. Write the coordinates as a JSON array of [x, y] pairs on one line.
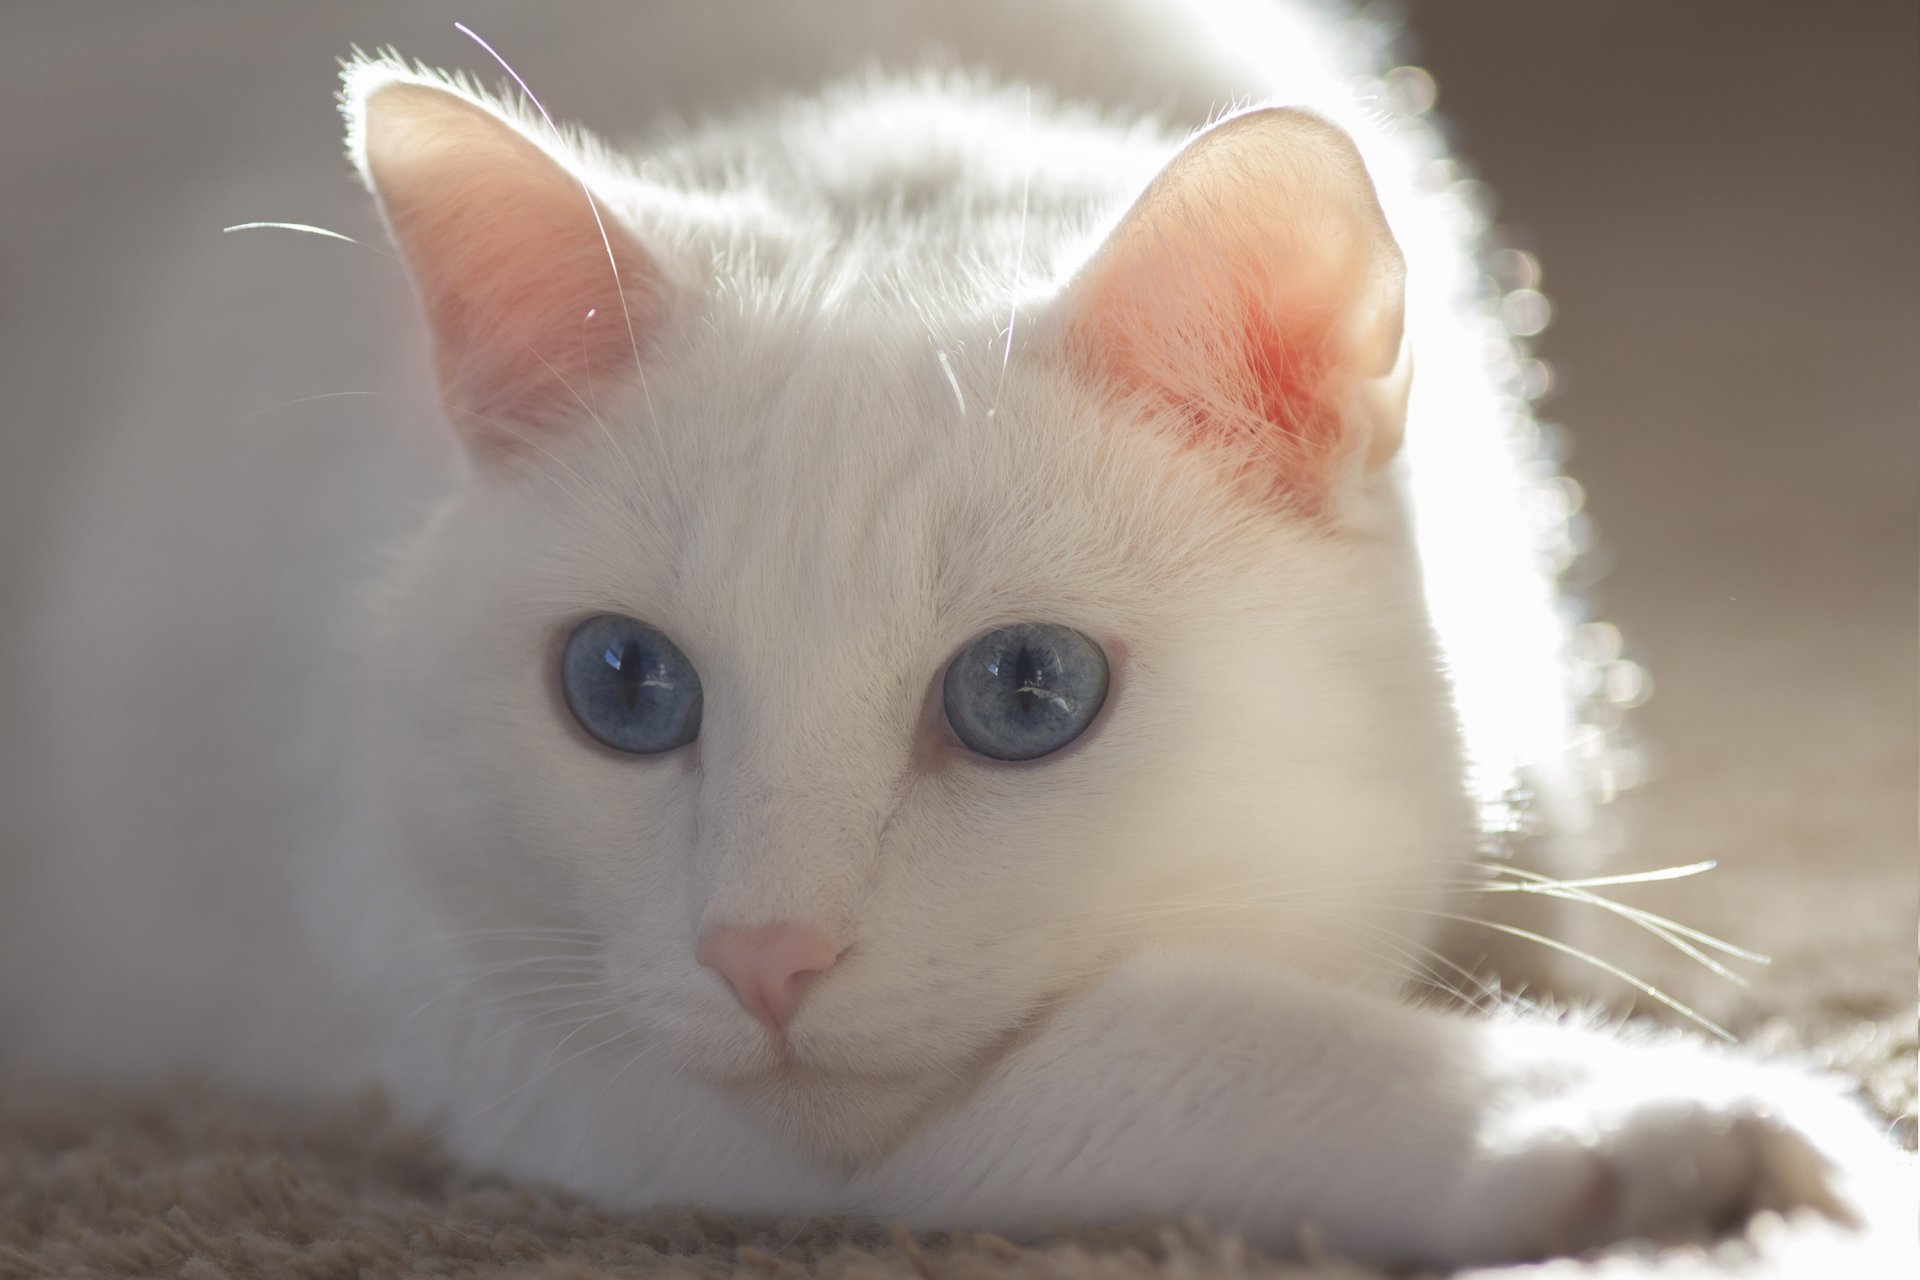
[[1234, 374], [527, 322], [1249, 291], [516, 277]]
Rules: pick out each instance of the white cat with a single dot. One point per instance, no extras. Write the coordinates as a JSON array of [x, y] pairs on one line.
[[927, 699]]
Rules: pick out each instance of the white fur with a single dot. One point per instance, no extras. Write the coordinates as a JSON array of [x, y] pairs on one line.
[[1160, 973]]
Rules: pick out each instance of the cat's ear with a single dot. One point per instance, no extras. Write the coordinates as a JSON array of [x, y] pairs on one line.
[[533, 292], [1256, 291]]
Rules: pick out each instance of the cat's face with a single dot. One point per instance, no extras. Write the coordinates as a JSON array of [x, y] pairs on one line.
[[821, 508]]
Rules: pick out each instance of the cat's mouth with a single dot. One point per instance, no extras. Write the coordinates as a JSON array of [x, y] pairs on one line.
[[813, 1063], [793, 1072]]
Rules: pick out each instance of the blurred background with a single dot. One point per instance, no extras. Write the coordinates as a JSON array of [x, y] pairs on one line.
[[1723, 194], [1725, 198]]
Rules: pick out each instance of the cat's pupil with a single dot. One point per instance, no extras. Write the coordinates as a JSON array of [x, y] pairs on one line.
[[630, 686], [1025, 691], [636, 674], [1030, 679]]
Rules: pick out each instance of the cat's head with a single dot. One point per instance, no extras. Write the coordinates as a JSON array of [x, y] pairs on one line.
[[803, 623]]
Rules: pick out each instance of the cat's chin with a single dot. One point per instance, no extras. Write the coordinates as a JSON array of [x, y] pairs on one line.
[[846, 1118], [826, 1104]]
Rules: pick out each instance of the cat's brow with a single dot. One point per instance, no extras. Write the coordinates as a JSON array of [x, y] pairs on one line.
[[1019, 257]]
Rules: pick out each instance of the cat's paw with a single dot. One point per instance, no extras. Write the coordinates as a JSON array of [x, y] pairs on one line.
[[1666, 1147]]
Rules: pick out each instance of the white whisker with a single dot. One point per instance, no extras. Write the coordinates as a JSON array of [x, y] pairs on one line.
[[544, 1070], [307, 228], [1019, 259], [1619, 878], [1550, 887], [1638, 984], [946, 367]]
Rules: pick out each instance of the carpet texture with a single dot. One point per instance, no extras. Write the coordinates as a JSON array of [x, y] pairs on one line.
[[205, 1187]]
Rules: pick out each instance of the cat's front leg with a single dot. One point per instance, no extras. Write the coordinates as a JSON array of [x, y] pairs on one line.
[[1202, 1084]]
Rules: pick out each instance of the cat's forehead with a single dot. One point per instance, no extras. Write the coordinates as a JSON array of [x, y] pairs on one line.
[[862, 472], [824, 479]]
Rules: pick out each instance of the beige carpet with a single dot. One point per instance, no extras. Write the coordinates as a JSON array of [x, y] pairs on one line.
[[205, 1187]]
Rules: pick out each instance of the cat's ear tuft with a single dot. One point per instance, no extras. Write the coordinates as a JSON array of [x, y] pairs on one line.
[[533, 293], [1256, 291]]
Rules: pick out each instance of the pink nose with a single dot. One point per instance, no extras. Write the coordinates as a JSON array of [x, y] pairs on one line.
[[767, 966]]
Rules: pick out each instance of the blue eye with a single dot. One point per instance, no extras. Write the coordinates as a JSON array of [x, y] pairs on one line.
[[1025, 691], [630, 686]]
